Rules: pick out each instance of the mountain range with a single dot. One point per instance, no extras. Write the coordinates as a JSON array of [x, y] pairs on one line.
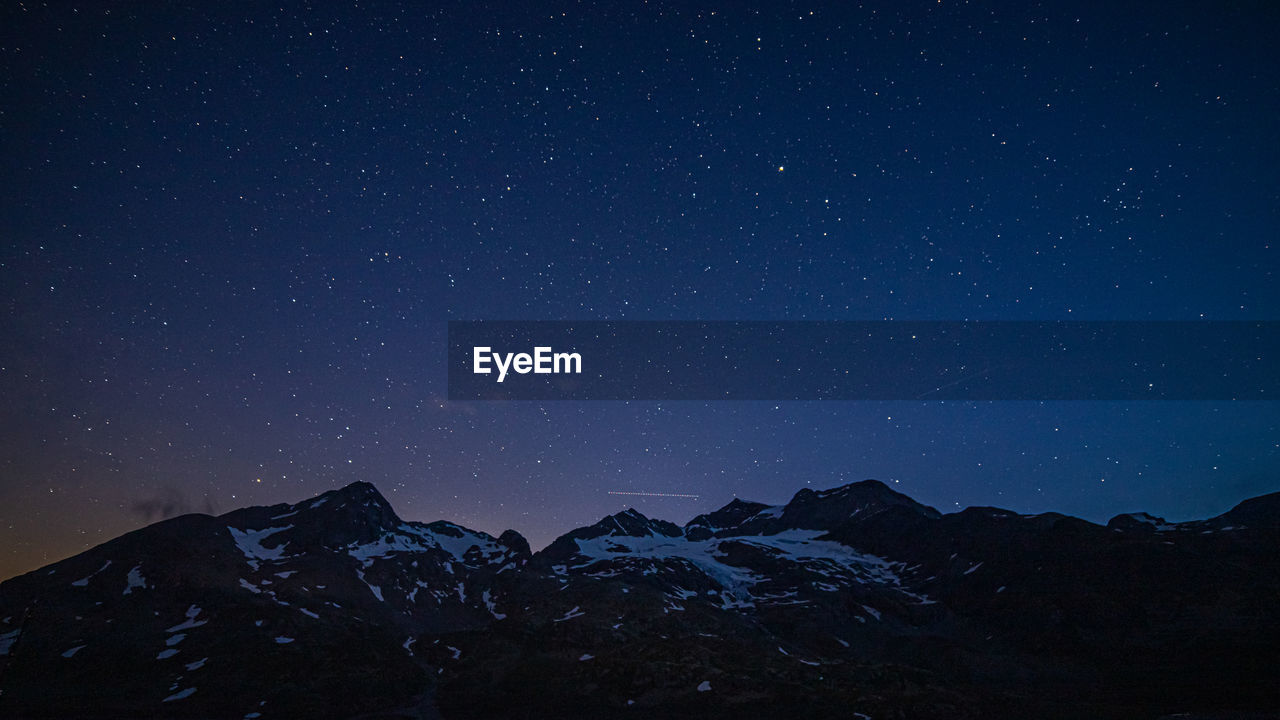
[[853, 602]]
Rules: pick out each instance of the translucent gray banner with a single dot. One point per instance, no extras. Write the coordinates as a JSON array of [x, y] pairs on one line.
[[891, 360]]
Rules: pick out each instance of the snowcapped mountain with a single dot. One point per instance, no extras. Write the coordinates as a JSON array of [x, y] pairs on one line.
[[289, 610], [854, 600]]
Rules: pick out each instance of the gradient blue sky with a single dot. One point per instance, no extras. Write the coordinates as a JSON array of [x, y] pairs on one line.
[[232, 236]]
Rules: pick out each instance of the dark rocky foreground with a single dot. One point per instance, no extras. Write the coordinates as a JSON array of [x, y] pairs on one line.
[[846, 603]]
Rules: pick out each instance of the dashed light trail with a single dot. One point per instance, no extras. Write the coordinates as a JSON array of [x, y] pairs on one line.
[[654, 494]]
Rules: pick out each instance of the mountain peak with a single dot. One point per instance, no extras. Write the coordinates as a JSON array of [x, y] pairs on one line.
[[626, 523], [726, 519], [825, 509], [1261, 511], [358, 490], [517, 544], [1140, 521], [808, 509], [636, 524], [864, 488]]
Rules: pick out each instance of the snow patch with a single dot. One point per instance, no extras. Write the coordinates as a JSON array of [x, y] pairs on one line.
[[704, 686], [460, 545], [135, 580], [1146, 519], [384, 547], [84, 581], [493, 609], [250, 544], [72, 651], [375, 589], [575, 612], [773, 511], [7, 640], [802, 547], [282, 640], [180, 695], [192, 613]]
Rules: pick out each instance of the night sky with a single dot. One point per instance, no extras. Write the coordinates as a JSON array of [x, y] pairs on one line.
[[231, 236]]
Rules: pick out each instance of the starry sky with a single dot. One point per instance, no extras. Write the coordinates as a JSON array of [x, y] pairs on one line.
[[231, 237]]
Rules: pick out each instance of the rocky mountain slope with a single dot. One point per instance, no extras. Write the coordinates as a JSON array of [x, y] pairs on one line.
[[855, 601]]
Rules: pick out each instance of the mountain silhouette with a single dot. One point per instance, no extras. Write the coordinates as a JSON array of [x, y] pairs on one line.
[[848, 602]]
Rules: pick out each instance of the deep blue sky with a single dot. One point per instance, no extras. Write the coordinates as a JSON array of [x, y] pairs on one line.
[[232, 236]]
